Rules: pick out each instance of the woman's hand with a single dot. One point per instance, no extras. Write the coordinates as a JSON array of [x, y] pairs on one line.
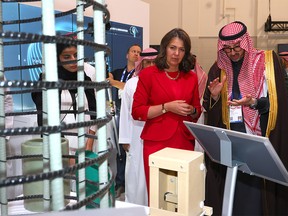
[[90, 141], [89, 144], [215, 87], [179, 107]]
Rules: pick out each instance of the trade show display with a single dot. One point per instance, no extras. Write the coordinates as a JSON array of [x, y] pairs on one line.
[[253, 155]]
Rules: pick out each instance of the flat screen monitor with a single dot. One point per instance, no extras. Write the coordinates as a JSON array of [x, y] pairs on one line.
[[252, 154]]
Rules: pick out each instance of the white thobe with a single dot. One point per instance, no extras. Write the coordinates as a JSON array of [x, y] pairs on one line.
[[129, 133]]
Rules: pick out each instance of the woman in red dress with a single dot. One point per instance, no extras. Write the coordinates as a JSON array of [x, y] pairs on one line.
[[166, 95]]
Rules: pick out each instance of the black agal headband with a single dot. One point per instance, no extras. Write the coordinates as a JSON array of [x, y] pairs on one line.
[[149, 54], [233, 37]]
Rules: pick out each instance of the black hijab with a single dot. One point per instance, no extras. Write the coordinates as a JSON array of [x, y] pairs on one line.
[[64, 74]]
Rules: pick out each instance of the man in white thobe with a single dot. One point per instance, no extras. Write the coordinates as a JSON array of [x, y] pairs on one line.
[[129, 136]]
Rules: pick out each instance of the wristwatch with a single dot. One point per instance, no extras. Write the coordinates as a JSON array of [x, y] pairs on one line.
[[163, 109], [194, 111], [253, 106]]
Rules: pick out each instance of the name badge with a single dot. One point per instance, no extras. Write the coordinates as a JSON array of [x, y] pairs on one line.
[[236, 114]]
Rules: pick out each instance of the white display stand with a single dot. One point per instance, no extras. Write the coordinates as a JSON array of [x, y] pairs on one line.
[[250, 154], [121, 208], [177, 179]]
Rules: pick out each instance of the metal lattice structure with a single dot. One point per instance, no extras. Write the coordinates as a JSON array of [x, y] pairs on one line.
[[49, 86]]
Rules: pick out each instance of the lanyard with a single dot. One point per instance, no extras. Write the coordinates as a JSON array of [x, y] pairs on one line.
[[123, 75]]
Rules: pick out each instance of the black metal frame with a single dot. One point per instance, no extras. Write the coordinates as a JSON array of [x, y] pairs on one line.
[[275, 25]]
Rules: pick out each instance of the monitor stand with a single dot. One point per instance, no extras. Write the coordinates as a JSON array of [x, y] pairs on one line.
[[229, 190], [231, 174]]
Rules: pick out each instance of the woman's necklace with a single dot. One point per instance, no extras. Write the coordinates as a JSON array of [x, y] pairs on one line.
[[172, 78]]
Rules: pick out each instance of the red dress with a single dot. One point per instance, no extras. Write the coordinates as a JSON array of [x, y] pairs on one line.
[[166, 130]]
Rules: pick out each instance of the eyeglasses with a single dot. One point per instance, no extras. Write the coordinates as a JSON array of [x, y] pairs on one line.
[[229, 49]]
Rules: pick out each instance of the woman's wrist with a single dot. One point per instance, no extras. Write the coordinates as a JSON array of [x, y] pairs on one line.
[[194, 111], [89, 144], [163, 108]]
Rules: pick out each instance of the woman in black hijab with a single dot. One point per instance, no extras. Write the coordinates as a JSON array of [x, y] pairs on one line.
[[68, 98]]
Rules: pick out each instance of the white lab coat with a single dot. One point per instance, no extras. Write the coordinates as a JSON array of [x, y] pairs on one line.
[[129, 133]]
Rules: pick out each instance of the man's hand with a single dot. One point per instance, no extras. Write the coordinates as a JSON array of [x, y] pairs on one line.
[[115, 83], [245, 101], [126, 147], [110, 79], [215, 87]]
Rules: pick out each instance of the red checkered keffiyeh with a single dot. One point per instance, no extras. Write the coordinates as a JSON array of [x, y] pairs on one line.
[[202, 78], [251, 77], [149, 54]]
